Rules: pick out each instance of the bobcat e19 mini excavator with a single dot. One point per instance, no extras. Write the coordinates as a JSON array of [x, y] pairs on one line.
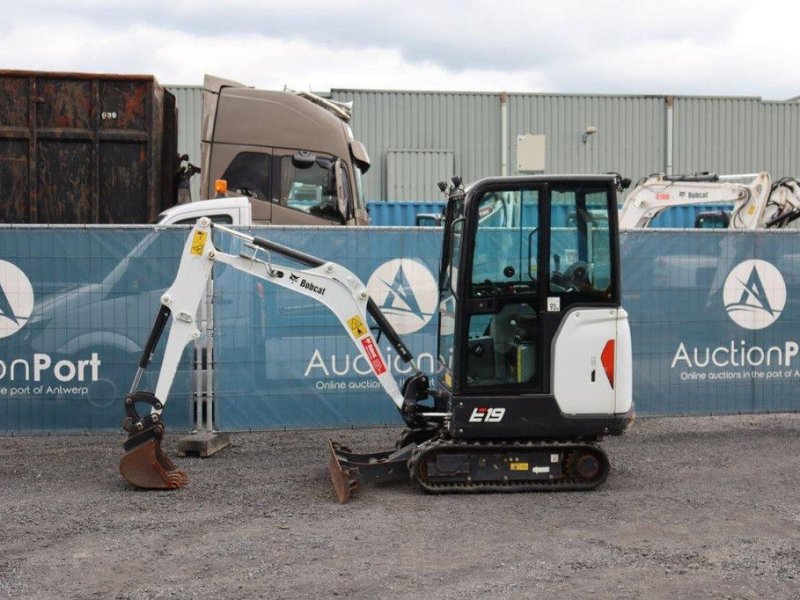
[[529, 310]]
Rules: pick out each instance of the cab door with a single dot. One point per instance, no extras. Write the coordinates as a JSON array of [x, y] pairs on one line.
[[500, 294]]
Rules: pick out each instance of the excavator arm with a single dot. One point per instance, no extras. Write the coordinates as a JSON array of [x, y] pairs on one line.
[[145, 464], [659, 192], [757, 203]]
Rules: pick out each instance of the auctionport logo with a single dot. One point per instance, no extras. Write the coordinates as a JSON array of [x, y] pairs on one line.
[[754, 294], [406, 293], [16, 299]]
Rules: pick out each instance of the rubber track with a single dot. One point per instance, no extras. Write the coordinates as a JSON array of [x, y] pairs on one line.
[[568, 482]]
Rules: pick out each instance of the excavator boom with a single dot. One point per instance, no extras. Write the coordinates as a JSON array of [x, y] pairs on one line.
[[657, 193], [757, 201], [145, 464]]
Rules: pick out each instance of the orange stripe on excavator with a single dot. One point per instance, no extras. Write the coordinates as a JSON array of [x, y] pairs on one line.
[[607, 358]]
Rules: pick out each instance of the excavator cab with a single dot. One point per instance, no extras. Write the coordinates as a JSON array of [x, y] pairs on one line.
[[529, 304]]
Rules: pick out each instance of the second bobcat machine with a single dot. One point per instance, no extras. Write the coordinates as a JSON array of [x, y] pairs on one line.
[[756, 201], [529, 310]]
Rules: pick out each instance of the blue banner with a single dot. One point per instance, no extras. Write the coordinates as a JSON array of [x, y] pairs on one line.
[[75, 307], [288, 363], [714, 319]]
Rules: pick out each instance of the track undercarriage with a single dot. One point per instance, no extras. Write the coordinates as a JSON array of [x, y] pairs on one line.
[[440, 465]]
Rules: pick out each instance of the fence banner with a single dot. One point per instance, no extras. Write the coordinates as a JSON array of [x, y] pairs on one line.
[[714, 318], [75, 307], [283, 360]]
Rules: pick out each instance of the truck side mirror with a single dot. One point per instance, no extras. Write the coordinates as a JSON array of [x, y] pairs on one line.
[[344, 204]]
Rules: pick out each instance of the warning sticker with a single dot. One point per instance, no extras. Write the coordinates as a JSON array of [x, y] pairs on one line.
[[374, 356], [356, 325], [518, 466], [198, 241]]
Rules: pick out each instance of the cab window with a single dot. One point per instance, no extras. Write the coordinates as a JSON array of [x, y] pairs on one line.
[[360, 202], [505, 256], [249, 175], [580, 245], [222, 219], [502, 344], [309, 186]]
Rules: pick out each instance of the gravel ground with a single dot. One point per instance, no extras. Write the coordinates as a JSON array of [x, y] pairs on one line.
[[694, 507]]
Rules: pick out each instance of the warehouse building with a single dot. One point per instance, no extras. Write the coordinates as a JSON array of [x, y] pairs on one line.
[[416, 138]]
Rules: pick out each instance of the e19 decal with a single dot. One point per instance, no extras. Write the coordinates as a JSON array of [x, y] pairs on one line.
[[487, 415]]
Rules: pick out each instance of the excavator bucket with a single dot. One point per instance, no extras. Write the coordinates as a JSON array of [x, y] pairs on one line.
[[146, 466]]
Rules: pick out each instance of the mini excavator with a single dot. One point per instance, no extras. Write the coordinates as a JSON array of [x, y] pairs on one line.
[[756, 201], [529, 311]]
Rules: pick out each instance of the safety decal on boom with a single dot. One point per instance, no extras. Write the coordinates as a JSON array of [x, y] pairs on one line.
[[198, 242], [374, 356], [356, 325]]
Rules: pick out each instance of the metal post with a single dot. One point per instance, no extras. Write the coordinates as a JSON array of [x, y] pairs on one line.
[[205, 440], [670, 100], [209, 347], [503, 134], [203, 394]]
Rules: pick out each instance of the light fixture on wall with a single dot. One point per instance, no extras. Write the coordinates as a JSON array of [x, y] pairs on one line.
[[590, 130]]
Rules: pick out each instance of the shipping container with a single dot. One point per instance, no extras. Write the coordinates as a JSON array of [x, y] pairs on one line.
[[85, 148]]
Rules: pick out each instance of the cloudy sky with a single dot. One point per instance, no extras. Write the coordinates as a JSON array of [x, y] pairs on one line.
[[735, 47]]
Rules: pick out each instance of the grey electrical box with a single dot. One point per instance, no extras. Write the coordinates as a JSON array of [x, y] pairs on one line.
[[530, 153]]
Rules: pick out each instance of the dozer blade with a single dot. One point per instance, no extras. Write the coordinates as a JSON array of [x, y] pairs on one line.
[[345, 481], [349, 470], [146, 466]]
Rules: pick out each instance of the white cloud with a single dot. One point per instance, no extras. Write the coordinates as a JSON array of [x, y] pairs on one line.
[[733, 47]]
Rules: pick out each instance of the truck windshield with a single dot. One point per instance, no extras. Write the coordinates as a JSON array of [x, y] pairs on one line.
[[309, 188]]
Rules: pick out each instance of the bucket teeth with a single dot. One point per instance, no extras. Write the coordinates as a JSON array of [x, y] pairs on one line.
[[146, 466]]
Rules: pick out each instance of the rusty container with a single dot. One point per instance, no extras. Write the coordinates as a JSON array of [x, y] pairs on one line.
[[85, 148]]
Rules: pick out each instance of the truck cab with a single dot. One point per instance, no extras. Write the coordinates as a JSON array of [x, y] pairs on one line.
[[228, 211], [292, 155]]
